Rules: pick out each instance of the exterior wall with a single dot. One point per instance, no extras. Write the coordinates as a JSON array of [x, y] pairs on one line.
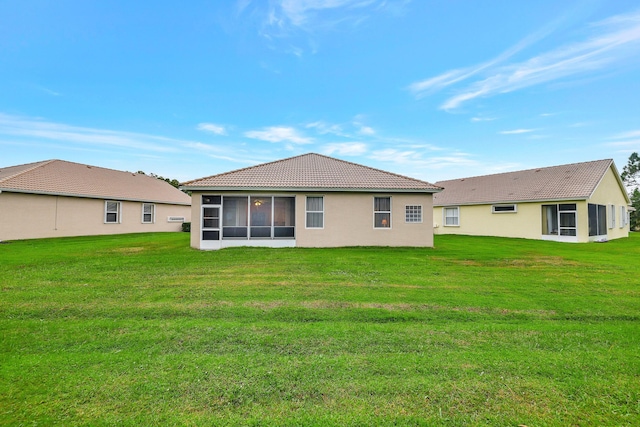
[[32, 216], [478, 220], [348, 221], [608, 193]]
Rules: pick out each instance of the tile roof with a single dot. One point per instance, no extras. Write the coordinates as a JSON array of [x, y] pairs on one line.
[[311, 171], [58, 177], [576, 181]]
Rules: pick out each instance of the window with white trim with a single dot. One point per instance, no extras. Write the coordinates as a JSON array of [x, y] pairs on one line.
[[315, 212], [496, 209], [612, 216], [148, 213], [451, 216], [623, 216], [413, 213], [112, 212], [382, 212]]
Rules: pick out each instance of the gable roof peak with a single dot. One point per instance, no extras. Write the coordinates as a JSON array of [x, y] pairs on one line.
[[310, 171]]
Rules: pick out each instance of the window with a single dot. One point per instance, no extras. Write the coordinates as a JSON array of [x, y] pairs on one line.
[[559, 220], [623, 216], [504, 209], [451, 216], [612, 216], [382, 212], [315, 212], [112, 212], [413, 213], [597, 220], [148, 213]]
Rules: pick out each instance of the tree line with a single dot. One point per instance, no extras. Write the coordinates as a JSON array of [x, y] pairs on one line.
[[631, 177]]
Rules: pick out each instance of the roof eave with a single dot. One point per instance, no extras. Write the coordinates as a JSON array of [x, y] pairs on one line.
[[568, 199], [87, 196], [312, 189]]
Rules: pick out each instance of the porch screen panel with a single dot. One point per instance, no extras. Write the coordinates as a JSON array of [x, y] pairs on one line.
[[602, 220], [284, 217], [260, 217], [549, 219], [597, 220], [234, 214]]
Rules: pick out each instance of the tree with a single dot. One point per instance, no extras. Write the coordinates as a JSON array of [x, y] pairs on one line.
[[631, 172], [631, 175], [173, 182]]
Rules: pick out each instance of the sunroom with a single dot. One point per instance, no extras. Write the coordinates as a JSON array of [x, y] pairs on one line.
[[239, 218]]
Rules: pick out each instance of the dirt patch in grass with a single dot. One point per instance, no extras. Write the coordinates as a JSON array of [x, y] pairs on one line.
[[132, 250]]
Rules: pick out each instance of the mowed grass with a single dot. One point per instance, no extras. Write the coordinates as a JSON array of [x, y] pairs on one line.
[[143, 330]]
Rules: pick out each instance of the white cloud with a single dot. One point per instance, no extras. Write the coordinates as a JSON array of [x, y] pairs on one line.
[[286, 20], [279, 134], [366, 130], [345, 148], [626, 135], [41, 129], [300, 12], [612, 40], [629, 139], [213, 128], [517, 131], [482, 119], [324, 128]]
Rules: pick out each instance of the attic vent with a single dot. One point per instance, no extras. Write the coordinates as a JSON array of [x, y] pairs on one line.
[[538, 170]]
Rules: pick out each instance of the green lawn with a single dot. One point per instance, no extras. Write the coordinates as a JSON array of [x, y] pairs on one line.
[[143, 330]]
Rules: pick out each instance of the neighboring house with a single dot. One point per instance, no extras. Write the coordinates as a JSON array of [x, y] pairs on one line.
[[57, 198], [579, 202], [310, 201]]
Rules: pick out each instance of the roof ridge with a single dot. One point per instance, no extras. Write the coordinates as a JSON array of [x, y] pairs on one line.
[[35, 166], [526, 170], [375, 169], [241, 169]]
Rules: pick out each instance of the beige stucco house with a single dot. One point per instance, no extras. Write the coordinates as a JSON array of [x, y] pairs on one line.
[[56, 198], [580, 202], [310, 201]]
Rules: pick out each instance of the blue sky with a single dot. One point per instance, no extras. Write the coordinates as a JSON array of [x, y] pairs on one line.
[[429, 89]]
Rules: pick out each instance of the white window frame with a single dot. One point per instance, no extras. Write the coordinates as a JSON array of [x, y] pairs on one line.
[[118, 212], [612, 216], [382, 212], [513, 205], [413, 214], [457, 216], [307, 212], [623, 216], [153, 213]]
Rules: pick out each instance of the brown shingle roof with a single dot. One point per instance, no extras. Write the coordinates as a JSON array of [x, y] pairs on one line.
[[59, 177], [576, 181], [311, 171]]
